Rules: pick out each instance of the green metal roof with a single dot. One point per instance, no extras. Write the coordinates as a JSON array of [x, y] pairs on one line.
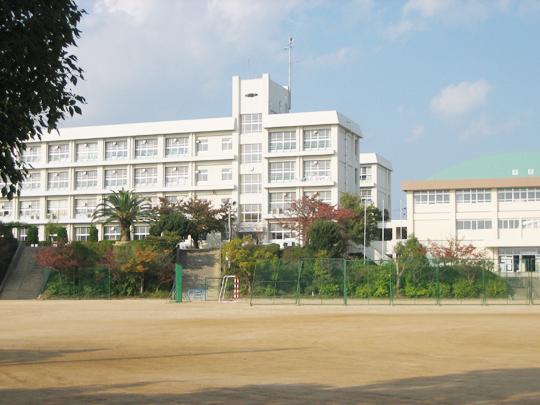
[[493, 167]]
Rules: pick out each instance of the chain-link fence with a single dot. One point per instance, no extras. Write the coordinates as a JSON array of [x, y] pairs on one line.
[[354, 282]]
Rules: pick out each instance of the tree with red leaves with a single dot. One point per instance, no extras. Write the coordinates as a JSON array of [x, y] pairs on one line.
[[455, 251], [304, 212]]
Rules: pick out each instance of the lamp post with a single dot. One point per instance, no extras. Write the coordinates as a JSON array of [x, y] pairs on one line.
[[231, 205]]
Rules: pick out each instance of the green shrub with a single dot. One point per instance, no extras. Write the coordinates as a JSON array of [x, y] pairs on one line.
[[32, 235], [465, 289], [93, 234]]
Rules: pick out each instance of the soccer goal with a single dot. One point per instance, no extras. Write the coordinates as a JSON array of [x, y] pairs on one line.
[[227, 283]]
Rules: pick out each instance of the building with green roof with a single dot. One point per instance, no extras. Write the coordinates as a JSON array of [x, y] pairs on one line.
[[492, 202]]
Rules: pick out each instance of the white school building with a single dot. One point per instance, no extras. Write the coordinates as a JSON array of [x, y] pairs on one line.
[[261, 158], [492, 202]]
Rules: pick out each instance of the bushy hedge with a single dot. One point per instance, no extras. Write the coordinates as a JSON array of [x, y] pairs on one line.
[[323, 277], [103, 269]]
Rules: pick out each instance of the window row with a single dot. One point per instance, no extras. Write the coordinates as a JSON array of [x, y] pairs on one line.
[[432, 197], [285, 141], [473, 195], [473, 224], [518, 194], [118, 177], [284, 171], [118, 149]]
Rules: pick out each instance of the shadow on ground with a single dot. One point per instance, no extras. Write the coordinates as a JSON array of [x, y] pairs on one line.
[[509, 386], [12, 357]]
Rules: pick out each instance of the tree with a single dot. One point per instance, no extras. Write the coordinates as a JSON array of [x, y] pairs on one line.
[[37, 75], [409, 255], [308, 209], [242, 256], [456, 253], [124, 207], [326, 237], [93, 235], [32, 236], [203, 217], [355, 224], [170, 218], [57, 231]]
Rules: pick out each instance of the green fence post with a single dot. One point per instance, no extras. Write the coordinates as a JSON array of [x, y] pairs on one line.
[[178, 271], [345, 298], [300, 266], [391, 287], [484, 292], [437, 287]]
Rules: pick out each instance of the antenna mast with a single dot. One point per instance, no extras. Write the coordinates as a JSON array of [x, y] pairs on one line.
[[289, 49]]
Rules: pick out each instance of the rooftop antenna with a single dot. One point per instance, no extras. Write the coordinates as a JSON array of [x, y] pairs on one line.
[[289, 49]]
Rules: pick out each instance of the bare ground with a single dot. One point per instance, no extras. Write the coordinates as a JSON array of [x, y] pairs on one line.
[[152, 351]]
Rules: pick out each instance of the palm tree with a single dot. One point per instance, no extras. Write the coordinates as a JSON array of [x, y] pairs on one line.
[[125, 208]]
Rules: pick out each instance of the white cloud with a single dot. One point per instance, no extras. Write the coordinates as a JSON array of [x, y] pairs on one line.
[[136, 10], [426, 8], [459, 99], [417, 132], [484, 128], [399, 29]]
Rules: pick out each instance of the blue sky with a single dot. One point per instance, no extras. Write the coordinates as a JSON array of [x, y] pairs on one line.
[[431, 82]]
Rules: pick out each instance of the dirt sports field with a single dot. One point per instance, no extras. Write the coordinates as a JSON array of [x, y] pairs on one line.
[[152, 351]]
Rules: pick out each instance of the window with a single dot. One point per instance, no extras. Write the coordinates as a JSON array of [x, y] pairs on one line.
[[279, 203], [85, 207], [82, 233], [316, 169], [115, 178], [146, 148], [365, 196], [57, 209], [33, 181], [281, 171], [202, 145], [146, 177], [280, 233], [283, 141], [6, 208], [31, 154], [85, 179], [59, 153], [323, 196], [226, 144], [518, 194], [250, 183], [177, 176], [473, 224], [509, 223], [356, 147], [202, 175], [177, 146], [86, 151], [250, 213], [530, 223], [23, 233], [250, 123], [250, 153], [432, 197], [111, 232], [29, 209], [473, 196], [226, 174], [141, 232], [365, 173], [116, 150], [316, 139], [58, 180]]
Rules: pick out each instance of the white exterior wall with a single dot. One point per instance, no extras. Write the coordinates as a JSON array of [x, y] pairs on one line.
[[380, 184], [438, 223], [255, 96]]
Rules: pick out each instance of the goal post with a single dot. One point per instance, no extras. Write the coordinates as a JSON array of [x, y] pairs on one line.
[[178, 270], [225, 283]]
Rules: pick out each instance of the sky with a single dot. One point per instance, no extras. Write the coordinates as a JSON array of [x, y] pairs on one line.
[[430, 82]]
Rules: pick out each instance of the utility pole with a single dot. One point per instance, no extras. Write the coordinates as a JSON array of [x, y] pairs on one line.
[[365, 225], [289, 49]]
